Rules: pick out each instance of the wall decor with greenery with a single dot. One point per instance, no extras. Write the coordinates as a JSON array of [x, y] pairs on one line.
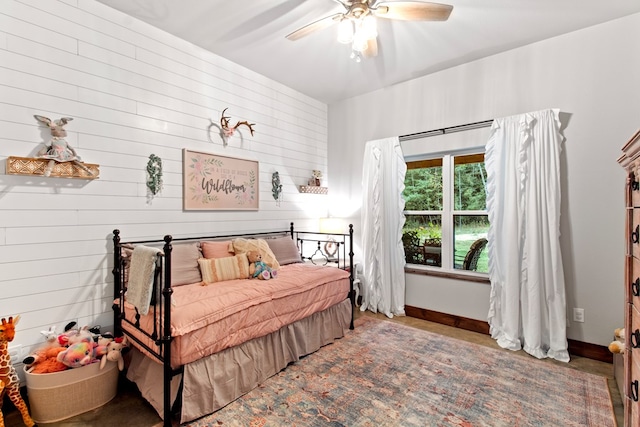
[[154, 171], [276, 187]]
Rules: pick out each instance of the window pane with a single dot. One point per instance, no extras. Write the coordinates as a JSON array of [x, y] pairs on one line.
[[470, 182], [422, 239], [470, 242], [423, 186]]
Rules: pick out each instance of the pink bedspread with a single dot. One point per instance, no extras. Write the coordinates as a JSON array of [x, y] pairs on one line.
[[208, 319]]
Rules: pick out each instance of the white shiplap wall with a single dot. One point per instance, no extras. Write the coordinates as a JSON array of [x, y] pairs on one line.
[[132, 90]]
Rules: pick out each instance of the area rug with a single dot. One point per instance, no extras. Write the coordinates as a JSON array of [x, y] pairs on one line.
[[387, 374]]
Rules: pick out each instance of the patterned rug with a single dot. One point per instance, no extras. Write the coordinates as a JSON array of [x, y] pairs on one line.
[[387, 374]]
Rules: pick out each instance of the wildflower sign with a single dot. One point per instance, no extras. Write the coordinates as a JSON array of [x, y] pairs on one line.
[[213, 182]]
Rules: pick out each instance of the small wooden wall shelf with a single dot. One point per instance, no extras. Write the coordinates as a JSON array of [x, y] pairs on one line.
[[36, 167], [313, 189]]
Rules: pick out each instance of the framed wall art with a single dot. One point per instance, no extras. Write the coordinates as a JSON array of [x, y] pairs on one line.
[[214, 182]]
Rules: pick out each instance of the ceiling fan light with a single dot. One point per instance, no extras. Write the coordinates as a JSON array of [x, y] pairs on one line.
[[359, 43], [345, 31], [368, 27]]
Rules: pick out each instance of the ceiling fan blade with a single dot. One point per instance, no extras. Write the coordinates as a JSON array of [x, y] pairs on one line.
[[413, 11], [372, 48], [318, 25], [345, 4]]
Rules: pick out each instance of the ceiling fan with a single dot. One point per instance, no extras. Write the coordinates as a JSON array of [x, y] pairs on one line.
[[357, 24]]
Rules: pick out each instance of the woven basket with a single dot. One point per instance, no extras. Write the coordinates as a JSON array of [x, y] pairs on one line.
[[60, 395]]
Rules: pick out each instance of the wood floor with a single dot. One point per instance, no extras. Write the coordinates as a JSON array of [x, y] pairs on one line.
[[129, 409]]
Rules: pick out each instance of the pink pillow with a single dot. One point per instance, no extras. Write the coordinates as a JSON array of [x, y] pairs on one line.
[[215, 249]]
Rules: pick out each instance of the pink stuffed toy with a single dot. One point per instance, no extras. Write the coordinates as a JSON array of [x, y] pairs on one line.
[[79, 354], [74, 336]]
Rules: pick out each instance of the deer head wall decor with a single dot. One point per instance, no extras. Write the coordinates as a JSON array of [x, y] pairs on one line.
[[227, 131]]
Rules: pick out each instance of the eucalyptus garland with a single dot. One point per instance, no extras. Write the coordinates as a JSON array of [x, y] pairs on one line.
[[154, 169], [276, 189]]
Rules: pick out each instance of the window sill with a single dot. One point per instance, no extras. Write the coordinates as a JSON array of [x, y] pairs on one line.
[[470, 277]]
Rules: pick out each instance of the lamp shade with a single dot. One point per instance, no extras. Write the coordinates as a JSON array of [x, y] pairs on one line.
[[332, 225]]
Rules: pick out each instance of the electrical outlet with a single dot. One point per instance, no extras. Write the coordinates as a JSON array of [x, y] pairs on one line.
[[15, 352], [578, 315]]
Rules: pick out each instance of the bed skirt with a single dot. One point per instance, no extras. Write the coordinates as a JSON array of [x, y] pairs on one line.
[[215, 381]]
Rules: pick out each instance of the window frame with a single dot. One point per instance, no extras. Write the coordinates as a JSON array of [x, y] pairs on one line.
[[447, 215]]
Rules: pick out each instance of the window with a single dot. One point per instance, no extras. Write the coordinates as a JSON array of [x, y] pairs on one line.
[[446, 213]]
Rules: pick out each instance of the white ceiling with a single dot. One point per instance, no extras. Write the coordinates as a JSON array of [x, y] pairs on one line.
[[252, 33]]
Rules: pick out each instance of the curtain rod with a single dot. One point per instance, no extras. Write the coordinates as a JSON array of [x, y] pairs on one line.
[[442, 131]]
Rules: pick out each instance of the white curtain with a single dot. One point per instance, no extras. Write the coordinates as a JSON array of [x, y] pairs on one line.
[[383, 175], [527, 304]]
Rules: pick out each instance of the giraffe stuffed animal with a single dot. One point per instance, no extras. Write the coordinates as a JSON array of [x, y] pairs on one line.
[[9, 381]]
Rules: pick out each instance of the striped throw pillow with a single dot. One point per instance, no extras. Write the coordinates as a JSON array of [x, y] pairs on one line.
[[227, 268]]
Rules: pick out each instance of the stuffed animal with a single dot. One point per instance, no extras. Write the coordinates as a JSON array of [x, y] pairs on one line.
[[103, 341], [114, 353], [50, 334], [59, 149], [73, 336], [258, 268], [78, 355], [9, 380], [45, 360], [70, 331], [617, 346]]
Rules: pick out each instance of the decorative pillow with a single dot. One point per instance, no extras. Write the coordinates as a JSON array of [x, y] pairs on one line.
[[241, 246], [227, 268], [184, 264], [285, 250], [215, 249]]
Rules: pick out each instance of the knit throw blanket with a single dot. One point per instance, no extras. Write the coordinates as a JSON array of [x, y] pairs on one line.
[[141, 271]]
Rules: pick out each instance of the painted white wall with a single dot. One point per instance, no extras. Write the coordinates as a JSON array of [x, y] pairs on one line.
[[132, 90], [591, 75]]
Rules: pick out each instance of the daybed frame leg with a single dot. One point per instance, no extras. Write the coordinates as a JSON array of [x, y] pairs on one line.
[[166, 332], [352, 295], [117, 283]]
